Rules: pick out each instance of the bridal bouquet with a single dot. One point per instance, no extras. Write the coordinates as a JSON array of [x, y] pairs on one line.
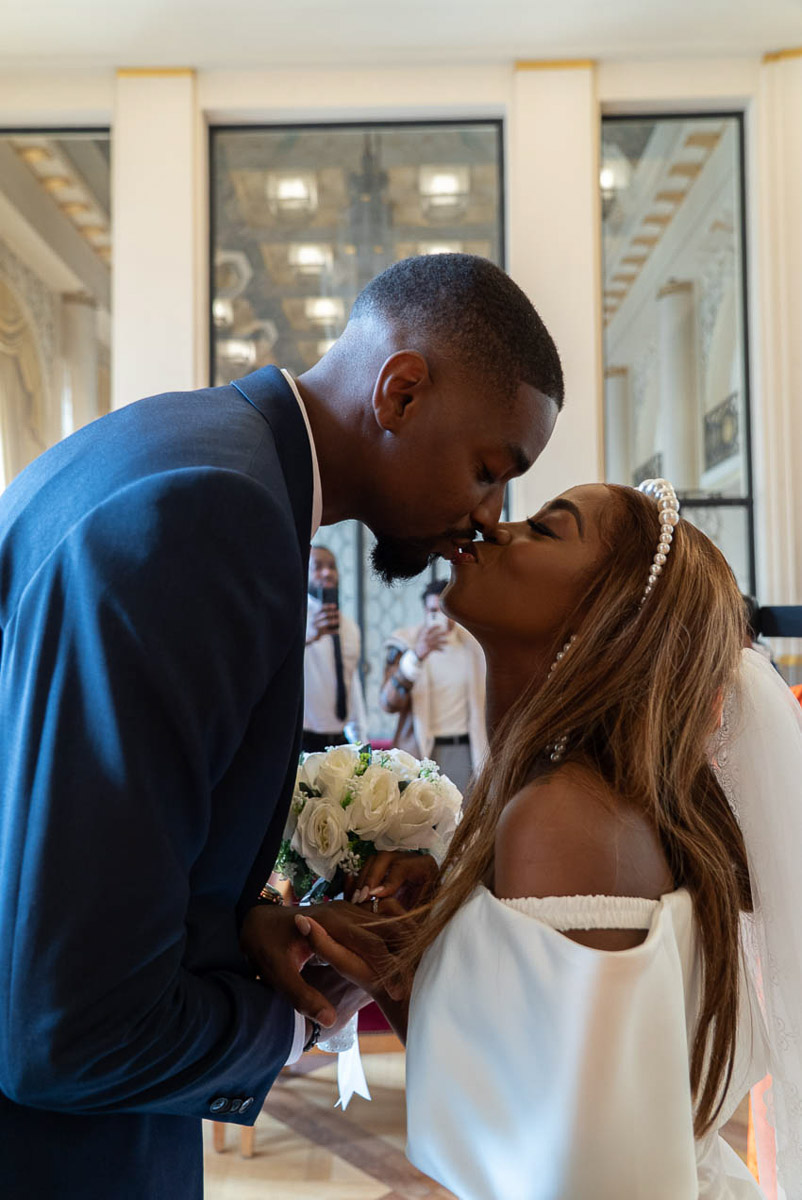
[[350, 802]]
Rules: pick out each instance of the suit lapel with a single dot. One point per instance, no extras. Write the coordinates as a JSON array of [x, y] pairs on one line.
[[270, 394]]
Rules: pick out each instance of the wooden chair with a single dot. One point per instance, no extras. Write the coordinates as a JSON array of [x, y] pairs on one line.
[[245, 1135]]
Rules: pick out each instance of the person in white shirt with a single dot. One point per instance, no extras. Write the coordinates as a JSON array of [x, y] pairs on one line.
[[434, 679], [334, 703]]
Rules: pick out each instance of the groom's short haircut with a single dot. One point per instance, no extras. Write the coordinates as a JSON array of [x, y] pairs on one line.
[[472, 311]]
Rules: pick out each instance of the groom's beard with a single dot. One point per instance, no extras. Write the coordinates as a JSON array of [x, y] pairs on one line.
[[400, 558]]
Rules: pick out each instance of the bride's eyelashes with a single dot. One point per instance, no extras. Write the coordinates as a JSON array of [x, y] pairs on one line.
[[539, 527]]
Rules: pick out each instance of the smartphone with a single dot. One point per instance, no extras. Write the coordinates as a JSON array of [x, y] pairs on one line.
[[436, 620], [326, 595]]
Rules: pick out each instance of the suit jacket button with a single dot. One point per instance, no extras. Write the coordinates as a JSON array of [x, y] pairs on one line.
[[235, 1104], [221, 1104], [246, 1104]]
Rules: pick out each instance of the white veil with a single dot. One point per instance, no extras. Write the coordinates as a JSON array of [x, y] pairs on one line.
[[758, 761]]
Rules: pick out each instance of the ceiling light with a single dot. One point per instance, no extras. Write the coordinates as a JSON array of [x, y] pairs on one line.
[[34, 154], [324, 310], [75, 208], [616, 172], [444, 190], [291, 193], [310, 259], [439, 247], [222, 313], [237, 351]]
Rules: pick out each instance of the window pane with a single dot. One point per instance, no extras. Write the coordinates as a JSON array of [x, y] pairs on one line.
[[302, 219], [728, 527], [676, 398], [55, 289]]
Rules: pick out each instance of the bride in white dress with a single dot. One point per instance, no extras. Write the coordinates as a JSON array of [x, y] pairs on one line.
[[582, 998]]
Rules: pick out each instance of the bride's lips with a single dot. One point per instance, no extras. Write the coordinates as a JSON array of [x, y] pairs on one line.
[[464, 553]]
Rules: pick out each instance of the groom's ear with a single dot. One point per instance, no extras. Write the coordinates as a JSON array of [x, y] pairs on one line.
[[398, 390]]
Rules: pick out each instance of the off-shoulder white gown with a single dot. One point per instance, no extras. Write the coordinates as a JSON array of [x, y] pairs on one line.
[[540, 1069]]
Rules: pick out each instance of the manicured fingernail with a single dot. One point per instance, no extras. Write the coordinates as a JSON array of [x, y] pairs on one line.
[[303, 925], [378, 891], [361, 895]]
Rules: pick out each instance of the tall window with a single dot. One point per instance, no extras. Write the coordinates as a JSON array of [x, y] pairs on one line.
[[675, 345], [302, 218], [55, 288]]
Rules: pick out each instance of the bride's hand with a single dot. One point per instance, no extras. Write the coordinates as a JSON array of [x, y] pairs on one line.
[[345, 961], [401, 879]]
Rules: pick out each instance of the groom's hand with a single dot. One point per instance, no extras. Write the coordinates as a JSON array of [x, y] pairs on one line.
[[358, 929], [373, 978], [279, 951], [274, 945]]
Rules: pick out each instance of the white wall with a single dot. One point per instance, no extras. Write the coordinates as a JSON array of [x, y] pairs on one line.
[[555, 255]]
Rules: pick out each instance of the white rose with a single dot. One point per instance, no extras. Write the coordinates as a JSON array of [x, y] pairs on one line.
[[336, 771], [321, 836], [309, 769], [411, 826], [402, 764], [296, 804], [377, 796], [307, 774], [452, 800]]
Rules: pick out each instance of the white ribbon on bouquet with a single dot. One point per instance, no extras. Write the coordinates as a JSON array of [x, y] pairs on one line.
[[350, 1072]]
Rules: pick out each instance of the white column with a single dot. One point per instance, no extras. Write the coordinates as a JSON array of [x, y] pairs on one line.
[[159, 202], [678, 419], [617, 425], [79, 353], [777, 331], [555, 255]]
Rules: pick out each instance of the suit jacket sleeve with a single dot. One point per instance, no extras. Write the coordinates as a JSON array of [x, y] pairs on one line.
[[129, 670]]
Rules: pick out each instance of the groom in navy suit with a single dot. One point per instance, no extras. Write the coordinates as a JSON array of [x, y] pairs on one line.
[[153, 573]]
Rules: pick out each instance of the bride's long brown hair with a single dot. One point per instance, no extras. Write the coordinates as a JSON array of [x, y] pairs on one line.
[[637, 695]]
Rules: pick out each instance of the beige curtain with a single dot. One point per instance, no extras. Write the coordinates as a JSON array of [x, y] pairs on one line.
[[21, 390]]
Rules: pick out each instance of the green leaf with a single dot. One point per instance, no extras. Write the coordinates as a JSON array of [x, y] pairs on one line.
[[365, 757]]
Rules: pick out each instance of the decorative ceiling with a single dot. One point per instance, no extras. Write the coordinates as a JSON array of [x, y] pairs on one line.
[[75, 172]]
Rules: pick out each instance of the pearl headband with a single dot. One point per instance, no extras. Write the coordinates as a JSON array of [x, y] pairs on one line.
[[668, 509], [663, 493]]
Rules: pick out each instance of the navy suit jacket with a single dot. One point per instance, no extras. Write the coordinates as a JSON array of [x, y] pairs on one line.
[[152, 624]]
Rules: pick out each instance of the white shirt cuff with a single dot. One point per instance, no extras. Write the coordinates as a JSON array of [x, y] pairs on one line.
[[409, 665], [298, 1040]]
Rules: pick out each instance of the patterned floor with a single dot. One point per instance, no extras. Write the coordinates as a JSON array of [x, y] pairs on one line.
[[305, 1149]]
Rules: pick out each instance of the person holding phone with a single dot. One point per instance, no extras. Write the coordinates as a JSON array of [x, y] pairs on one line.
[[434, 680], [334, 703]]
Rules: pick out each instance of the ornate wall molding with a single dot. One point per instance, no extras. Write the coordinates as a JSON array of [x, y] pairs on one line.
[[42, 306]]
